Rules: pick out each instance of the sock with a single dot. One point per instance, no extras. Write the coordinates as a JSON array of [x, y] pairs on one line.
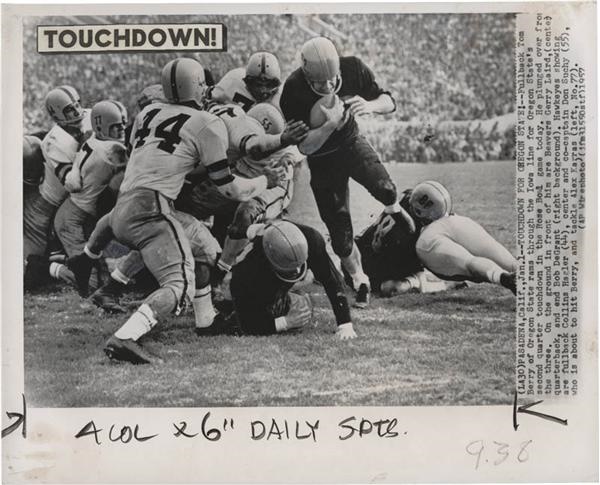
[[117, 275], [494, 274], [231, 250], [204, 311], [281, 324], [140, 323], [392, 209], [55, 270], [89, 254], [353, 265]]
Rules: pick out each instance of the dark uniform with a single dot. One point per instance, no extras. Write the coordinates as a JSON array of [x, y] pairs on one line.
[[345, 154], [259, 296], [388, 248]]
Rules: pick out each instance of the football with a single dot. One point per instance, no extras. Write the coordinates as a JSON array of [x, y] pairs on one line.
[[317, 117]]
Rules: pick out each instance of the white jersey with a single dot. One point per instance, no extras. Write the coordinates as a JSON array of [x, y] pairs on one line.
[[232, 89], [169, 141], [59, 149], [95, 164], [240, 129]]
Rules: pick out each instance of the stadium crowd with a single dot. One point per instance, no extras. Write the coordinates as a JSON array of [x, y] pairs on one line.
[[445, 67]]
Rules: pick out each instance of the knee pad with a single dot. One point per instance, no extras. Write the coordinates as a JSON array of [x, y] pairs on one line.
[[385, 192], [166, 299], [246, 214]]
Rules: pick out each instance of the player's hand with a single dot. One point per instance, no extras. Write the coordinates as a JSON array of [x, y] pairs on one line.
[[275, 175], [412, 227], [295, 132], [345, 331], [335, 114], [358, 106]]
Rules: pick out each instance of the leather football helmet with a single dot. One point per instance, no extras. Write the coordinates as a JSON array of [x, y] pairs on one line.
[[430, 201], [183, 80], [269, 117], [108, 120], [321, 66], [286, 250], [64, 105], [263, 76]]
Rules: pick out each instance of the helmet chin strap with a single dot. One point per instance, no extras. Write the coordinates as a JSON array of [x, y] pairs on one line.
[[338, 86], [294, 279]]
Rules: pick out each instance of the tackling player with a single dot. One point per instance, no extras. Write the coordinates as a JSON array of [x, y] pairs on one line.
[[98, 160], [260, 284], [169, 141], [454, 248], [327, 92], [258, 82]]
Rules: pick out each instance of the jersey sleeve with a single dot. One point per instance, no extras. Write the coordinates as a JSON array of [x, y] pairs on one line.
[[368, 87], [325, 271]]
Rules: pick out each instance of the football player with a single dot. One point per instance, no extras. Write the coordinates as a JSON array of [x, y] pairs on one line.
[[99, 159], [282, 253], [258, 82], [454, 248], [170, 140], [327, 92], [59, 147]]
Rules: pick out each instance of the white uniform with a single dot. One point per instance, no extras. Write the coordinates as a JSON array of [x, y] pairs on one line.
[[232, 89]]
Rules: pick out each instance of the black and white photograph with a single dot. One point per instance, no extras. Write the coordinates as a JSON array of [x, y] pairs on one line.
[[299, 243], [336, 228]]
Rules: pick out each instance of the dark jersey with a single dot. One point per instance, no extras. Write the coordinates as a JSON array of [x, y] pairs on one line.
[[297, 98], [256, 290], [388, 249]]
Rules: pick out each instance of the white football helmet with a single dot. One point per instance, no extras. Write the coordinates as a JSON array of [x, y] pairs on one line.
[[286, 250], [109, 119], [64, 105], [430, 201], [269, 117], [150, 94], [263, 76], [183, 80], [321, 66]]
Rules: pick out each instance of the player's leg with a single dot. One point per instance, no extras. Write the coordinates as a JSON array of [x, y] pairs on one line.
[[449, 249], [205, 249], [143, 220], [37, 219]]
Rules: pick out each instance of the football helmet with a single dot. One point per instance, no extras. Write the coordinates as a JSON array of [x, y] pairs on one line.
[[183, 80], [64, 105], [33, 160], [109, 119], [321, 66], [263, 76], [150, 94], [430, 201], [269, 117], [286, 250]]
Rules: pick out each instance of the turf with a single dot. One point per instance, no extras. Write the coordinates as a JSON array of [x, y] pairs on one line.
[[452, 348]]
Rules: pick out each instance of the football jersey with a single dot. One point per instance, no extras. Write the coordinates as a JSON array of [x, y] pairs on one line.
[[298, 99], [232, 89], [169, 141], [95, 164], [59, 149], [240, 128], [388, 249]]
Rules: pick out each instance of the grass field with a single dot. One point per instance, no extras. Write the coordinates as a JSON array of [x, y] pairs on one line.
[[451, 348]]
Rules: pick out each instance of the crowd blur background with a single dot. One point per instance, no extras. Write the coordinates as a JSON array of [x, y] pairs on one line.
[[452, 76]]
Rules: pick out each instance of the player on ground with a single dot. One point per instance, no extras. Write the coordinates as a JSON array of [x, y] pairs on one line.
[[260, 284], [59, 147], [455, 248], [327, 92], [169, 141], [99, 159], [258, 82]]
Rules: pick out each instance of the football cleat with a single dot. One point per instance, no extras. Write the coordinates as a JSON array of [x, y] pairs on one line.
[[107, 297], [183, 80], [509, 280], [64, 105], [362, 296], [430, 201], [263, 76], [109, 119], [128, 350], [286, 250], [81, 265], [321, 66]]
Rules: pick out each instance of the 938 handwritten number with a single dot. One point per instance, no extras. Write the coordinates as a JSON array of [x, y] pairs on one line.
[[497, 452]]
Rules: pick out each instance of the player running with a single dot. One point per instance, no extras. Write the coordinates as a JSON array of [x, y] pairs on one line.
[[327, 92], [169, 141]]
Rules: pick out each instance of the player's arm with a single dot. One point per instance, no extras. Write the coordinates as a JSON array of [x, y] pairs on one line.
[[325, 271], [213, 152], [370, 98], [263, 145], [317, 137]]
